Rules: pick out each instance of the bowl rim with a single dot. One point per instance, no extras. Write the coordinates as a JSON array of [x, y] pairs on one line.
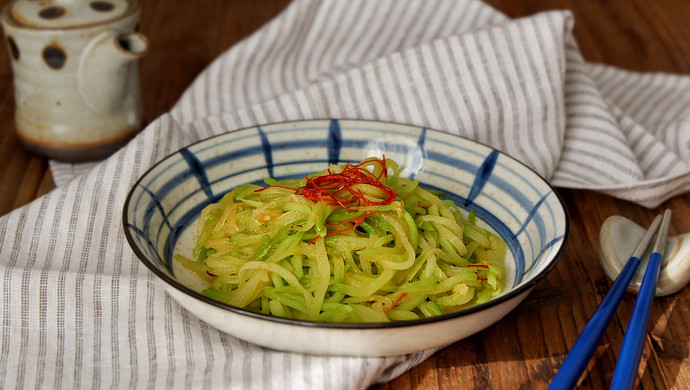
[[172, 282]]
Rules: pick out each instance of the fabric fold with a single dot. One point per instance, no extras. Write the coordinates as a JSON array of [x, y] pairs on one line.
[[592, 147], [457, 84]]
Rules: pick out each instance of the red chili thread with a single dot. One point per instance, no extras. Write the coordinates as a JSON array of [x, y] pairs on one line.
[[396, 302], [341, 189], [484, 266], [356, 222]]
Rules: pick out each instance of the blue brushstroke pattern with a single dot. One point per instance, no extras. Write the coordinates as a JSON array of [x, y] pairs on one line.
[[482, 177], [268, 152], [152, 206], [149, 244], [335, 142], [197, 168], [541, 253], [531, 215], [187, 220]]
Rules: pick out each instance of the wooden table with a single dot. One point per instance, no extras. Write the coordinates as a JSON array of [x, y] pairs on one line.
[[525, 349]]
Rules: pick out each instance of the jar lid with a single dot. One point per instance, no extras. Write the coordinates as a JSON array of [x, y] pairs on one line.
[[67, 13]]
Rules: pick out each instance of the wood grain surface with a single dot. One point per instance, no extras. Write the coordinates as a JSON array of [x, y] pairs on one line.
[[525, 349]]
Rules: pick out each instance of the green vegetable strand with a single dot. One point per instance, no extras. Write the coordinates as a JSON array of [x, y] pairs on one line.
[[395, 252]]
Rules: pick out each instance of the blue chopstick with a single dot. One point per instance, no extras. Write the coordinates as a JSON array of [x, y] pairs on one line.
[[633, 341], [579, 355]]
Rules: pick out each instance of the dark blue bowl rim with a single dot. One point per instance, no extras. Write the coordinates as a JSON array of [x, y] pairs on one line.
[[346, 325]]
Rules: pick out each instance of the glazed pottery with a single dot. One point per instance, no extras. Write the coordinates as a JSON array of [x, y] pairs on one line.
[[161, 212], [76, 78], [617, 240]]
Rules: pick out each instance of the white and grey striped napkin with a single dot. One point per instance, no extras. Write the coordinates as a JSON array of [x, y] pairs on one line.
[[77, 308]]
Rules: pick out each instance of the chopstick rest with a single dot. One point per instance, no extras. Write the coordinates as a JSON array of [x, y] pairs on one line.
[[576, 361], [617, 238], [633, 341]]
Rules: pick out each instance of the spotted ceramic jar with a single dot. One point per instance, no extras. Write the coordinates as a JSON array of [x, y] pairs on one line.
[[76, 78]]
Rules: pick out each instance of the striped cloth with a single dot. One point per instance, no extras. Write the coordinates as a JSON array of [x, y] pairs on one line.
[[77, 308]]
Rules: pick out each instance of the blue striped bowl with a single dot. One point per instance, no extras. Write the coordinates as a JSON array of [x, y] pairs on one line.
[[510, 199]]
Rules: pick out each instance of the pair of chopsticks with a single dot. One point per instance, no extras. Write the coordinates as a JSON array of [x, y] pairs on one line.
[[633, 341]]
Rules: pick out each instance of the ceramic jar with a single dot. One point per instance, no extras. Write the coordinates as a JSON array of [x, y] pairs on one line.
[[76, 77]]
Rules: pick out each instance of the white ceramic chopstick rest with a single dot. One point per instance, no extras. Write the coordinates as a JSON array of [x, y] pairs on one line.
[[617, 239]]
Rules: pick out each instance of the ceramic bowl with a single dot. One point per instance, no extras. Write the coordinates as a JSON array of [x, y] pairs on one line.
[[510, 199]]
